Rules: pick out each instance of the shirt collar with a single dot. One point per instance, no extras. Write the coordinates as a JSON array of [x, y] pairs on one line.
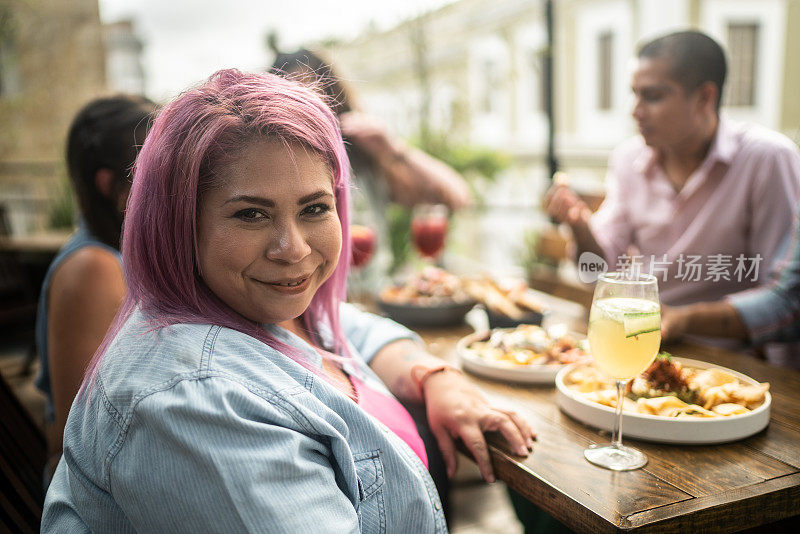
[[723, 149], [290, 338], [645, 160], [724, 146]]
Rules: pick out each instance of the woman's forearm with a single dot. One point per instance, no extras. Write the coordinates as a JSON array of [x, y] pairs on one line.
[[394, 363]]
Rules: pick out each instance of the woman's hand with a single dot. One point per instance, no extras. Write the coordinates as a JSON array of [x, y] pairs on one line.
[[368, 133], [456, 410]]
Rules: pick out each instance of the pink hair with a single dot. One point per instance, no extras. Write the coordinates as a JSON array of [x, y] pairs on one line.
[[201, 129]]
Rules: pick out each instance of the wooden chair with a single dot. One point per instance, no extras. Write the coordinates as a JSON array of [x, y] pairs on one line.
[[23, 454]]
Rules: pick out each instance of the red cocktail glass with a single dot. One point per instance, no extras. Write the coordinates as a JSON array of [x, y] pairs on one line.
[[429, 229], [363, 241]]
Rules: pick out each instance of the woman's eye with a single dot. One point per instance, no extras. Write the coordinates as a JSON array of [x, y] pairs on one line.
[[316, 209], [250, 214]]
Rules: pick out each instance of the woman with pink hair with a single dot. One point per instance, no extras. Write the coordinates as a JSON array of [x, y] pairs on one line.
[[235, 391]]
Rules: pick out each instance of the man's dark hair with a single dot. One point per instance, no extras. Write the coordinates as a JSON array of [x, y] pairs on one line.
[[107, 133], [695, 59]]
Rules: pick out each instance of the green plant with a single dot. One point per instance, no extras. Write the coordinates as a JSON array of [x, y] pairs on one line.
[[529, 256], [471, 161], [61, 213], [399, 223]]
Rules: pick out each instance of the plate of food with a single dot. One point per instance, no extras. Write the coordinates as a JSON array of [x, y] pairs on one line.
[[676, 400], [432, 297], [526, 354], [507, 305]]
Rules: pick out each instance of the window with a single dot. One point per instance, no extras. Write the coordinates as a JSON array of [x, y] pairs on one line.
[[605, 50], [538, 80], [742, 53], [490, 79]]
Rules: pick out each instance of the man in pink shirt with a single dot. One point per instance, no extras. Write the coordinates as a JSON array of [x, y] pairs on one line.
[[704, 204]]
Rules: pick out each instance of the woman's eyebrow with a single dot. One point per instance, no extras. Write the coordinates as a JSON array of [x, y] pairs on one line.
[[314, 196], [253, 200], [261, 201]]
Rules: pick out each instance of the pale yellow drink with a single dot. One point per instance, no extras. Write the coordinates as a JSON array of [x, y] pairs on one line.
[[624, 335]]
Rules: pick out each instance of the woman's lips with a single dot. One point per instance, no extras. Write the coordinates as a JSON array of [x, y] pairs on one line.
[[289, 287]]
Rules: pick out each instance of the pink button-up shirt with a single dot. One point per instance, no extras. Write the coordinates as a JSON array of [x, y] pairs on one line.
[[705, 241]]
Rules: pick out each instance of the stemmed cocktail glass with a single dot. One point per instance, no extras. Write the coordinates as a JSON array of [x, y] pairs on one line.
[[624, 338], [363, 241], [429, 230]]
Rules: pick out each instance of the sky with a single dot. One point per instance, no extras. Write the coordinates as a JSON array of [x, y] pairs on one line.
[[186, 40]]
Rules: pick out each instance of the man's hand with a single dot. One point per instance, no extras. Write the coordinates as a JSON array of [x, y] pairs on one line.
[[563, 204], [674, 322]]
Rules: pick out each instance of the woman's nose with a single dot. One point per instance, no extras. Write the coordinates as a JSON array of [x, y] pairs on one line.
[[288, 244]]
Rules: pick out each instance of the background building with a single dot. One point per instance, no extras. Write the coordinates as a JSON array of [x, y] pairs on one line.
[[52, 61], [124, 48], [473, 70]]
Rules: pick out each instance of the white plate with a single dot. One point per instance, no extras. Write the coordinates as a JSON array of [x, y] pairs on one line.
[[666, 429], [523, 374]]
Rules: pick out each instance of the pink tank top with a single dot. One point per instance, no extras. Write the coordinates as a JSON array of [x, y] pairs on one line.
[[391, 413]]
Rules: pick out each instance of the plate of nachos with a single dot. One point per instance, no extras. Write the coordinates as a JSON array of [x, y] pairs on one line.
[[675, 400]]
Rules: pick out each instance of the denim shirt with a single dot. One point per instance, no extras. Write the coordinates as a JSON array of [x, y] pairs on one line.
[[199, 428]]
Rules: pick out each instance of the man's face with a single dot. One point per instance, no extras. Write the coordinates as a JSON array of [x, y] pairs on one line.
[[665, 113]]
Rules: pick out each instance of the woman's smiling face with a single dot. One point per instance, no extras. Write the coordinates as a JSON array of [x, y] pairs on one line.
[[268, 234]]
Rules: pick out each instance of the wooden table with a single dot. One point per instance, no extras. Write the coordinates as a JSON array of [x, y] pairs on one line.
[[719, 488]]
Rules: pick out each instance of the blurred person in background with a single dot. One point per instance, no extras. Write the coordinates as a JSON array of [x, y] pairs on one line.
[[84, 285], [235, 391], [705, 203], [408, 175]]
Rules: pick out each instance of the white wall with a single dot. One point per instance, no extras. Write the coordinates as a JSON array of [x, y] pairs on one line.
[[657, 17], [531, 134]]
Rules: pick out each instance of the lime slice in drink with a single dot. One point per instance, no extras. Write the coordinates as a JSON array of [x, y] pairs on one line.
[[641, 323], [638, 316]]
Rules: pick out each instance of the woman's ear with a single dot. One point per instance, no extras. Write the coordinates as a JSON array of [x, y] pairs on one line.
[[104, 181]]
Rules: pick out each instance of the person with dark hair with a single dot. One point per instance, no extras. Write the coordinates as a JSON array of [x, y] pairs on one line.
[[411, 176], [703, 203], [84, 285], [235, 391]]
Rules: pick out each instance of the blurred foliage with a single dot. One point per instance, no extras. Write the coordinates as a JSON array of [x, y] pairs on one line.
[[471, 161], [399, 223], [529, 257], [61, 213]]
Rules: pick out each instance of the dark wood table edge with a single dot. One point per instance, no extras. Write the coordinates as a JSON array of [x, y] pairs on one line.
[[548, 498], [757, 504]]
